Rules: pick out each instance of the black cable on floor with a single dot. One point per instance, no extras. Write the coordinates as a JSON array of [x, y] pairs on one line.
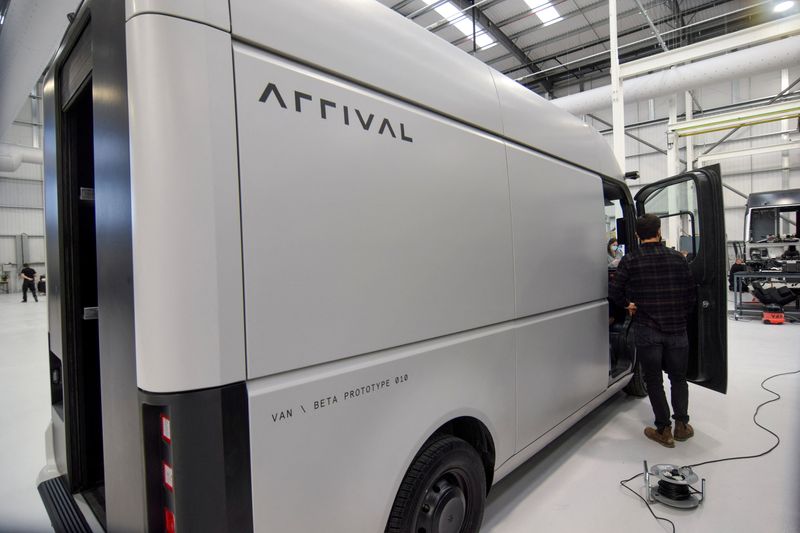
[[737, 458], [649, 508]]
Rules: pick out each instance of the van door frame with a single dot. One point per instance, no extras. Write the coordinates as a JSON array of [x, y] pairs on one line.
[[708, 364], [620, 191], [121, 420]]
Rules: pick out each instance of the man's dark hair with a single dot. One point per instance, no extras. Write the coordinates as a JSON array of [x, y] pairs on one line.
[[647, 226]]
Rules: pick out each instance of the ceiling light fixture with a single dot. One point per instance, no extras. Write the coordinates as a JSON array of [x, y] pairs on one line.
[[545, 10], [783, 6], [463, 23]]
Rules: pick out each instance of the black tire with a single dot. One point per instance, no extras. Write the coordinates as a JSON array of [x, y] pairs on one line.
[[444, 490], [636, 386]]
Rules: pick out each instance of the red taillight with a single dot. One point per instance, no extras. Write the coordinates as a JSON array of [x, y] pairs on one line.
[[169, 521], [168, 481], [166, 434]]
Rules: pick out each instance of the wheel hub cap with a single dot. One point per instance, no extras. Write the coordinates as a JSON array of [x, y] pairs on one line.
[[444, 507]]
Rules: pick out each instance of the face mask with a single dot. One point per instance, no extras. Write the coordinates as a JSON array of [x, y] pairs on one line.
[[614, 247]]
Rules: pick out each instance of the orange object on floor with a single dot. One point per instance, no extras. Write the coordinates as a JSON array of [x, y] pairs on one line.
[[773, 317]]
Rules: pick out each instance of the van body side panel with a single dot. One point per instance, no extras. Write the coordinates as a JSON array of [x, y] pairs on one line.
[[562, 363], [55, 333], [340, 436], [50, 147], [367, 223], [559, 243], [186, 227], [536, 122], [559, 236]]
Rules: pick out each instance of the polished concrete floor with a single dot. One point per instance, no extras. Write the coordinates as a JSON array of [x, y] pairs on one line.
[[572, 486]]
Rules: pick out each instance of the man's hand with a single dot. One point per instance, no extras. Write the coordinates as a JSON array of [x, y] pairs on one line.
[[631, 308]]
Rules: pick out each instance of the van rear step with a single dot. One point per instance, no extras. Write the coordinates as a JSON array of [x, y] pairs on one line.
[[64, 513]]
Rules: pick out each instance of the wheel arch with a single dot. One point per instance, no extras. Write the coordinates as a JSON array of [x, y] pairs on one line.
[[477, 435]]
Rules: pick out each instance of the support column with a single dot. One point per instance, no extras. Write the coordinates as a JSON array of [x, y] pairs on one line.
[[672, 138], [617, 101], [689, 104], [785, 125]]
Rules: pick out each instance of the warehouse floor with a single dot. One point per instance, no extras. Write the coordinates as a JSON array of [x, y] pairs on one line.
[[573, 485]]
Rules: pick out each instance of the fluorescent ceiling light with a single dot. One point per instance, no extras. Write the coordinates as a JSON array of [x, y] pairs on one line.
[[545, 10], [463, 23], [536, 3], [783, 6]]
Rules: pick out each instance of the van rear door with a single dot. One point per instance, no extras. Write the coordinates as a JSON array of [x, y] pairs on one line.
[[693, 222]]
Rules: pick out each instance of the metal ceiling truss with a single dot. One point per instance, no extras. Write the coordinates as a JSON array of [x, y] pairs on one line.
[[599, 66], [601, 41], [498, 35], [526, 14], [603, 22], [595, 65]]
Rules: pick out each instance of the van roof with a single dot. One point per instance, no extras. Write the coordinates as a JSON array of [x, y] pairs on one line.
[[773, 198], [368, 43]]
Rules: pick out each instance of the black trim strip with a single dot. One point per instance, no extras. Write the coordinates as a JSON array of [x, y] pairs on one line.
[[209, 454]]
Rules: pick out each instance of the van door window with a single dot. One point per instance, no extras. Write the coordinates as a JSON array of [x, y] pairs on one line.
[[676, 206], [614, 221]]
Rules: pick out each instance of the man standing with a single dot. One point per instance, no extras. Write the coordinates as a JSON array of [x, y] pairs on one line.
[[28, 276], [655, 285]]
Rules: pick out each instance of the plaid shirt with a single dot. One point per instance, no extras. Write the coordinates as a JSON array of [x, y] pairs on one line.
[[658, 280]]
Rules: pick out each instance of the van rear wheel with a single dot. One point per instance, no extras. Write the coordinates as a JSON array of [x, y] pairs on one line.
[[444, 490]]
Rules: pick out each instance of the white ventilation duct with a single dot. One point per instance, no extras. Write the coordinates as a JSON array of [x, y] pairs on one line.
[[771, 56], [12, 156]]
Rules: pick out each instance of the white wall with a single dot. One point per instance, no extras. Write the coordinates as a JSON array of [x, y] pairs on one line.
[[21, 198], [747, 174]]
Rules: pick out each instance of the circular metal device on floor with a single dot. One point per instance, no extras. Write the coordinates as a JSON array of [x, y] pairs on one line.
[[674, 486]]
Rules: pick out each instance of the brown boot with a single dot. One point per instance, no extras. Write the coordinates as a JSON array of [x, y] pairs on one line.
[[663, 437], [683, 431]]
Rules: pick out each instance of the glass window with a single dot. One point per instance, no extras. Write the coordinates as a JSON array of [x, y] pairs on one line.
[[614, 219], [676, 206]]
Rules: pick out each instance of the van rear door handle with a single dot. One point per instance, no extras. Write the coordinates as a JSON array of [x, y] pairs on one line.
[[90, 313]]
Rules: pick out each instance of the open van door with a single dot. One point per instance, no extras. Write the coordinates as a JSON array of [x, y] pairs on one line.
[[693, 222]]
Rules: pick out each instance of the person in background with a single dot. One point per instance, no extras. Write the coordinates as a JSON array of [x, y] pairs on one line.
[[791, 253], [655, 285], [28, 276], [737, 266], [41, 286], [613, 253]]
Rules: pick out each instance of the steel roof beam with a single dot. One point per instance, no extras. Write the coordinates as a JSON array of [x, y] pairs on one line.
[[525, 14], [498, 35], [748, 13], [652, 25], [601, 41], [578, 31], [598, 66]]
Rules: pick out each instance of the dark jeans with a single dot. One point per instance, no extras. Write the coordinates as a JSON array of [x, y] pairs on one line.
[[660, 352], [28, 286]]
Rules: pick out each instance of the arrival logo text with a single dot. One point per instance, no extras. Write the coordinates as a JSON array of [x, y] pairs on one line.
[[328, 109]]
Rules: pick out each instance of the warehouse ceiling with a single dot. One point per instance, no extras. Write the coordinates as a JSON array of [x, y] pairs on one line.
[[548, 45]]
